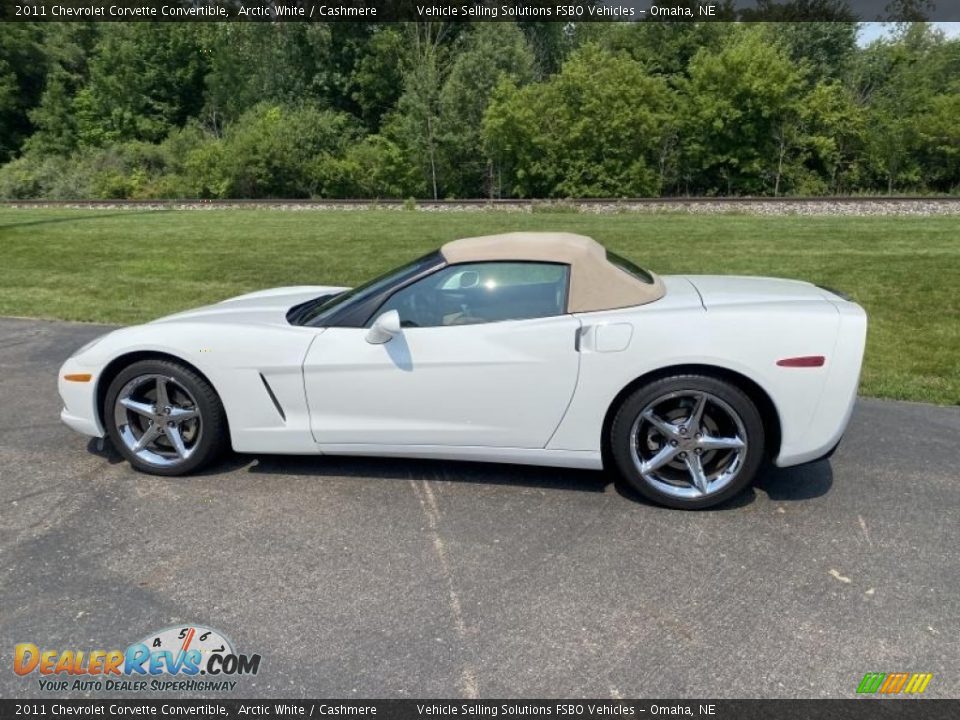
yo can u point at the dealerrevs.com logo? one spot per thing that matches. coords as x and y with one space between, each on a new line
188 659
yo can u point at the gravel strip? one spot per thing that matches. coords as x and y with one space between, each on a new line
857 207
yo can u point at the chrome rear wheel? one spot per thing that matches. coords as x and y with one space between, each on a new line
688 444
688 441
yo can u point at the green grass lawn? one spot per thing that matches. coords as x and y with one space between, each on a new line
126 266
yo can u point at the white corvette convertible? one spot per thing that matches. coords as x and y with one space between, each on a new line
535 348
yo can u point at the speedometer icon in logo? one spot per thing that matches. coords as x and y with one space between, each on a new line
183 639
188 650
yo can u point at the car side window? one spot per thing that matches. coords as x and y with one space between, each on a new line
474 293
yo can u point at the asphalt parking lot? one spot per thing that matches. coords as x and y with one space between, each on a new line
383 578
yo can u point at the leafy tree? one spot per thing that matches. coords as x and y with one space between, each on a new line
663 47
145 79
898 80
836 134
21 83
827 49
272 150
551 43
592 130
251 63
490 52
66 48
743 128
471 109
8 107
376 81
375 167
940 139
199 165
416 123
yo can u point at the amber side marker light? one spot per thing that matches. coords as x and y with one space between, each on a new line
78 377
804 361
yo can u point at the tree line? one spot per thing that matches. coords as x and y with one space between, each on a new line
451 110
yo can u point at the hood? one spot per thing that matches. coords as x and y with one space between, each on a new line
726 290
263 306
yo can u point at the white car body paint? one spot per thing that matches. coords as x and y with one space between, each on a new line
524 391
501 384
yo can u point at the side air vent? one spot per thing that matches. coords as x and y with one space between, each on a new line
276 403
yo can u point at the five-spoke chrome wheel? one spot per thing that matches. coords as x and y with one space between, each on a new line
688 441
688 444
158 420
165 417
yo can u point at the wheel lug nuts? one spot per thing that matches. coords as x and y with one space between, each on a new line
699 451
683 456
674 443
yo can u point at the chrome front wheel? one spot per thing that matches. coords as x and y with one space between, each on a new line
158 420
164 417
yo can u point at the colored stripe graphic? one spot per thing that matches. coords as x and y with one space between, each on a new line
891 678
894 683
871 682
918 682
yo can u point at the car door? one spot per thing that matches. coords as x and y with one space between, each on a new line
485 356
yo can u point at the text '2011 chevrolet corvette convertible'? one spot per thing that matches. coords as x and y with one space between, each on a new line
535 348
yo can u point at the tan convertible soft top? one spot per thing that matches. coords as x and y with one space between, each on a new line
595 282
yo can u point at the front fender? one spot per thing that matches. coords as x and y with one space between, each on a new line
236 360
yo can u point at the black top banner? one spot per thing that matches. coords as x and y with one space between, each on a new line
479 10
574 709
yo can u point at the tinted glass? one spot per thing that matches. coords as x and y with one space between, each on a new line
481 293
630 267
317 315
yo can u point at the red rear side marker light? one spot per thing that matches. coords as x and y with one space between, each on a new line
803 361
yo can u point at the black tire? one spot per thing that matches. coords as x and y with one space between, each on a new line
724 398
211 442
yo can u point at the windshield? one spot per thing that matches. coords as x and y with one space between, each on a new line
325 307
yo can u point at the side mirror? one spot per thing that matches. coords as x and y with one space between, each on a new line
384 328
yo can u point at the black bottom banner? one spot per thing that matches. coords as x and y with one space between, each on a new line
854 709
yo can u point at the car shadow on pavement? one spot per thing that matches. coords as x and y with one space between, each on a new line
321 466
103 449
439 470
230 462
803 482
778 484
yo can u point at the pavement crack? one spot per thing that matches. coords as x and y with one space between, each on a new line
431 511
866 533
